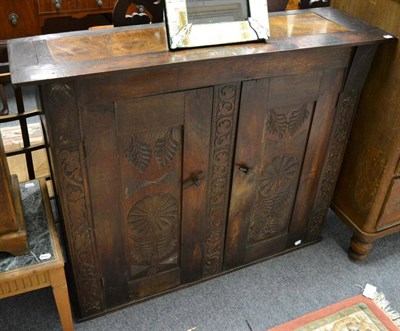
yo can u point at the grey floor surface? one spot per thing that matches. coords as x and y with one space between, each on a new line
254 298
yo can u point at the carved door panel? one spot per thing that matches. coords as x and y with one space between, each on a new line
155 180
278 147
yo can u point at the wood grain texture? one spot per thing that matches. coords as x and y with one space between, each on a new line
359 33
366 189
198 114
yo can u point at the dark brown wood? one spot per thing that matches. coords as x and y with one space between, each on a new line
13 237
175 166
270 202
367 193
198 109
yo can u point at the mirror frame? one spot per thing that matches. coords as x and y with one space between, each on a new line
182 35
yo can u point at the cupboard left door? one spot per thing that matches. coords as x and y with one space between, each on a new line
132 177
19 18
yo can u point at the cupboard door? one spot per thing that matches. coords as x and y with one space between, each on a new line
275 173
159 188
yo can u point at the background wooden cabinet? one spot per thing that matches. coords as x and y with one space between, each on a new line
173 167
367 195
19 18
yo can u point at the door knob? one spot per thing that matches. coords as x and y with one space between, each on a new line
57 3
194 180
13 18
244 169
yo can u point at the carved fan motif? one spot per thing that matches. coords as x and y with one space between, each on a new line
276 182
139 154
276 124
153 229
281 124
166 148
297 119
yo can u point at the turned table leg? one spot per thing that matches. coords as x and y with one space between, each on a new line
60 291
359 248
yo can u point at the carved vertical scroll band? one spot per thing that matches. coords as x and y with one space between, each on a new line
332 166
67 148
222 143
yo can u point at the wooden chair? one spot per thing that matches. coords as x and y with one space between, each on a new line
135 12
43 266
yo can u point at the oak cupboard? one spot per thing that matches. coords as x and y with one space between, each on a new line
173 167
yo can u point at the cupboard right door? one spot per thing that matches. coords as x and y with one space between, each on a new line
284 128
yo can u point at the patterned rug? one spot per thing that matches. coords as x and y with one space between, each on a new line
355 314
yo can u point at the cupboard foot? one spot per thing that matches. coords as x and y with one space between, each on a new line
359 249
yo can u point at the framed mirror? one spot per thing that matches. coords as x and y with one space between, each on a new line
198 23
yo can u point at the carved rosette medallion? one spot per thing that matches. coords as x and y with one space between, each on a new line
275 185
153 230
332 167
64 120
223 135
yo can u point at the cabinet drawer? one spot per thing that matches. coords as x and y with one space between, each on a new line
96 4
18 19
48 6
391 211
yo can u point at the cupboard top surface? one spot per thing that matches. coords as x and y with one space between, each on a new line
65 55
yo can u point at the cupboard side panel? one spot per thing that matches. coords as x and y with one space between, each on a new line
70 173
345 110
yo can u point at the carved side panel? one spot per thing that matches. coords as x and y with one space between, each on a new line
221 153
331 169
67 149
